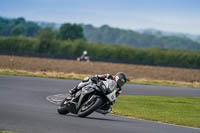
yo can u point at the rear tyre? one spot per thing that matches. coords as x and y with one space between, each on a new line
62 109
89 106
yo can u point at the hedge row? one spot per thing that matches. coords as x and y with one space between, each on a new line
124 54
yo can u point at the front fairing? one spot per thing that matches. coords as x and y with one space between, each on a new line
111 89
110 85
87 89
112 96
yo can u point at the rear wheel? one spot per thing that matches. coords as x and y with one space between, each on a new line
89 106
62 109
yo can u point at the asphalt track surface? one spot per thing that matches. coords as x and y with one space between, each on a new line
24 109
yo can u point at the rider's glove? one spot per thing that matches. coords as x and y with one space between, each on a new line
109 76
95 79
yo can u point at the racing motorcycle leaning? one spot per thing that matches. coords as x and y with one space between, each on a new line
93 97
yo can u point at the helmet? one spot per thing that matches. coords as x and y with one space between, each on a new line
120 78
85 52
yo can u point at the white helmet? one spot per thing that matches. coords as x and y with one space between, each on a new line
85 52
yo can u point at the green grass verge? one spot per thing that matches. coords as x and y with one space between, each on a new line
166 83
176 110
58 75
75 76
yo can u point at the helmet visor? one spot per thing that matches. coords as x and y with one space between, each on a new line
120 82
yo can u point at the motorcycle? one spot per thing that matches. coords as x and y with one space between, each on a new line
83 58
93 97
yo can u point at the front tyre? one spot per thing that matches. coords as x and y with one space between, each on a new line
62 109
89 106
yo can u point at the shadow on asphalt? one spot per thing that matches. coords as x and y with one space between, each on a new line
99 119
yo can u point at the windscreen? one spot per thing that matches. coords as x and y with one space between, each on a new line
111 84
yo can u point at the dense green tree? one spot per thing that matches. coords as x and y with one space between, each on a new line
5 27
20 20
17 27
32 29
17 30
71 32
46 36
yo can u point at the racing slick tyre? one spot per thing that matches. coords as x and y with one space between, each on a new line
90 106
62 109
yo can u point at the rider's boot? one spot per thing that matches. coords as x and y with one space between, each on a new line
104 110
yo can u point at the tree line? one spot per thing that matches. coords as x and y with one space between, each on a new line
21 36
98 51
104 34
21 27
109 35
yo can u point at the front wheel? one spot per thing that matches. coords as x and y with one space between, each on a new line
89 106
62 109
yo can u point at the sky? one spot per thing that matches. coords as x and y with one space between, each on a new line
168 15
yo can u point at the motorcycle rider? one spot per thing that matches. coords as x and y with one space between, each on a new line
84 56
119 79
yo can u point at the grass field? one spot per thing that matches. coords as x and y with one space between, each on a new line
62 75
175 110
59 68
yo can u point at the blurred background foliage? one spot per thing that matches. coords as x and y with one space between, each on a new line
104 43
